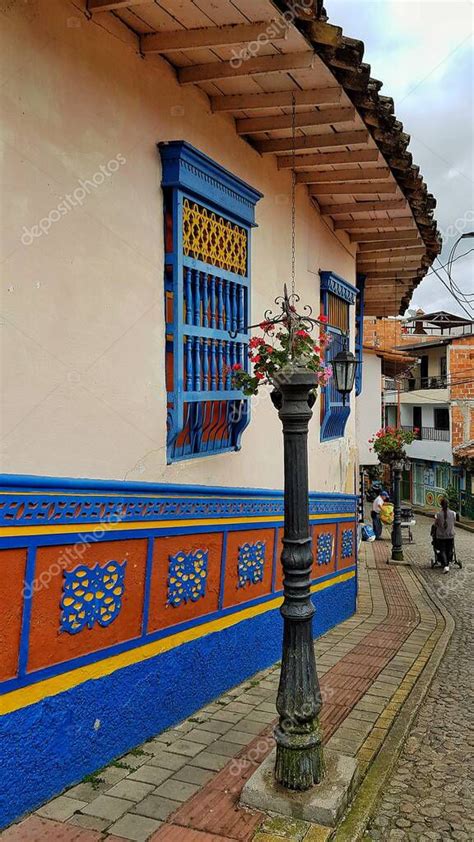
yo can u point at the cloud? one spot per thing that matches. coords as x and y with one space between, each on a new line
422 51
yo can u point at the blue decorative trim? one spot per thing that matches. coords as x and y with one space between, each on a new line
359 339
26 618
347 543
187 169
187 577
330 282
92 595
37 501
335 417
250 563
324 550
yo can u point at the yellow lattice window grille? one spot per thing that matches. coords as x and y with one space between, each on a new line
213 239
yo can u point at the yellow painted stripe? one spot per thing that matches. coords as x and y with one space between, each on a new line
66 529
17 699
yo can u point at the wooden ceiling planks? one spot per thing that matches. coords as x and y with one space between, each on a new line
313 56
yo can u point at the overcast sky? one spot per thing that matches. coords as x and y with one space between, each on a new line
422 50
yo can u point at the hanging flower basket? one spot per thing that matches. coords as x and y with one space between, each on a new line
284 342
389 444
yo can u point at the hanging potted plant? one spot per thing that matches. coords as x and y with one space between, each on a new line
285 342
389 444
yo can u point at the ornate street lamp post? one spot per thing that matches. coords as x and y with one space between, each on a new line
397 549
299 756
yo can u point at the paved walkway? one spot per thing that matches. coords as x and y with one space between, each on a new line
185 783
430 796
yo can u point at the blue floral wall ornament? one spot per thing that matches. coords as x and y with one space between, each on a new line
187 577
347 543
250 563
324 554
92 595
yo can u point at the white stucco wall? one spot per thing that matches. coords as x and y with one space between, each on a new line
83 326
369 407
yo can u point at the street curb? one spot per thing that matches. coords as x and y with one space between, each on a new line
354 824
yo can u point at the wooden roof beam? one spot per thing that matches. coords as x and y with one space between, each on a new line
327 117
353 188
383 274
399 223
405 246
364 207
394 268
404 256
318 159
314 141
331 176
277 99
113 5
278 63
212 36
405 237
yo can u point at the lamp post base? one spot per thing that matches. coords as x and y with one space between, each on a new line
324 804
397 555
299 764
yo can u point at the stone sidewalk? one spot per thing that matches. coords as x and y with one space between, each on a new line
186 782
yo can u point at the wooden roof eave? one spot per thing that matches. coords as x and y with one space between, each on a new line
350 123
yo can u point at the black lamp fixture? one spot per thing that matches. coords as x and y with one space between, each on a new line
344 367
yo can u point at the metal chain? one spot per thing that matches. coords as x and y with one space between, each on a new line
293 193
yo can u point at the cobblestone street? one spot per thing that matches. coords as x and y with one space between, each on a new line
430 795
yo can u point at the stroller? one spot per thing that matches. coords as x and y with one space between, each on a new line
437 560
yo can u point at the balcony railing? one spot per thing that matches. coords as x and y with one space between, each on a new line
429 434
414 383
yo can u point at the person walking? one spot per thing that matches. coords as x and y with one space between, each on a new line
375 514
445 521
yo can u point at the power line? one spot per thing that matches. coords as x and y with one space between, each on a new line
453 294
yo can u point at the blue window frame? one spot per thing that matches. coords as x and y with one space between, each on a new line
359 338
209 214
337 296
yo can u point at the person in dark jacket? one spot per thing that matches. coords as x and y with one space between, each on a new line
445 521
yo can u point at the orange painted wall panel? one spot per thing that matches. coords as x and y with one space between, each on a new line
11 609
50 645
233 594
162 614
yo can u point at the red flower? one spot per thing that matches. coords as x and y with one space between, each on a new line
324 319
303 334
256 358
316 349
269 349
267 326
256 341
259 375
236 367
